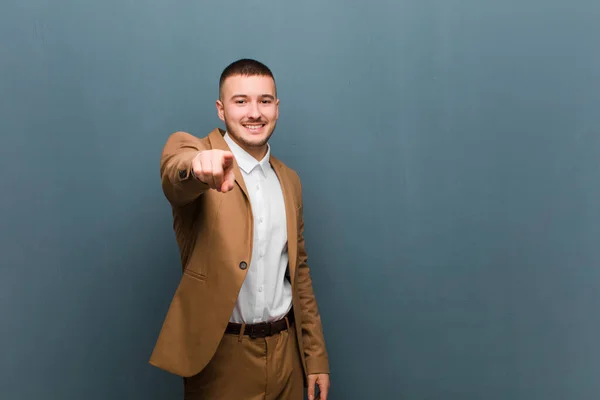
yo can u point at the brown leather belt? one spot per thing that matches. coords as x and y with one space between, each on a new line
262 329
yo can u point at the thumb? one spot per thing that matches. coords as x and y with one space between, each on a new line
311 387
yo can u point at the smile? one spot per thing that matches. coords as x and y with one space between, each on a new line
254 127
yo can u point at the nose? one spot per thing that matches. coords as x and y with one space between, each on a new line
253 111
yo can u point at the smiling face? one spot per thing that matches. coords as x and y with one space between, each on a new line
249 107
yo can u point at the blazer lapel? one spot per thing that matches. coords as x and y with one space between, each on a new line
290 216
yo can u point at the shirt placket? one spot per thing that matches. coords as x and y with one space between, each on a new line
261 202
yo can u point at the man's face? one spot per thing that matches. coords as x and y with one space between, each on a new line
250 108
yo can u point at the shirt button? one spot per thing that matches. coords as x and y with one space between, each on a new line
260 289
260 220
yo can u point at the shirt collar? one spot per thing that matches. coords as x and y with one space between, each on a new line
246 162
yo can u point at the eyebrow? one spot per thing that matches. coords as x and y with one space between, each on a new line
268 96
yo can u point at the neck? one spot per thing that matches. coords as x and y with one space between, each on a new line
257 152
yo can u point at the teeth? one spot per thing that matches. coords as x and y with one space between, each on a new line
253 126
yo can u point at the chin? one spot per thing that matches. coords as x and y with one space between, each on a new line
256 140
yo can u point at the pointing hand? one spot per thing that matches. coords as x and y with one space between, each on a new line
215 168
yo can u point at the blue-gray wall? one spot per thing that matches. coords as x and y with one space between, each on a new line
450 154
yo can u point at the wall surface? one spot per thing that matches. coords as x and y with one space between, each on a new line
449 151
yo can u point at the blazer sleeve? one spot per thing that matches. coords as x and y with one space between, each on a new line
179 184
313 340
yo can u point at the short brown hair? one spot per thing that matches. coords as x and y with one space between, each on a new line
244 67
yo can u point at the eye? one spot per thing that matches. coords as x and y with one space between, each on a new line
266 101
240 101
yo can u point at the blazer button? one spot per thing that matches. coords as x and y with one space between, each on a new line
243 265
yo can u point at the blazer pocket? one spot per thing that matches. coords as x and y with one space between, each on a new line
195 275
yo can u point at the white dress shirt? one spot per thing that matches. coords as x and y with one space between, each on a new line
266 294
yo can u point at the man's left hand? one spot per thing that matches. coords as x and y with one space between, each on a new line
318 379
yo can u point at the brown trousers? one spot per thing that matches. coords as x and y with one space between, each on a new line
251 369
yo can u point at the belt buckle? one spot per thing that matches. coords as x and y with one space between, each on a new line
262 329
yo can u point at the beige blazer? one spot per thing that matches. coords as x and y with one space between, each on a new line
214 234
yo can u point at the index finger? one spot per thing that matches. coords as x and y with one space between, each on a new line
323 392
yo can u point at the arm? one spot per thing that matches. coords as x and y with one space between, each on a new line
317 361
178 181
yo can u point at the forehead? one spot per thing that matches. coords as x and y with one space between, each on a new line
256 85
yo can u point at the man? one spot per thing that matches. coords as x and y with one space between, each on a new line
244 322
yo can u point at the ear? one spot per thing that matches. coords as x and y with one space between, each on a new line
220 110
277 108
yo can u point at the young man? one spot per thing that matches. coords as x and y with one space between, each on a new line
244 322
